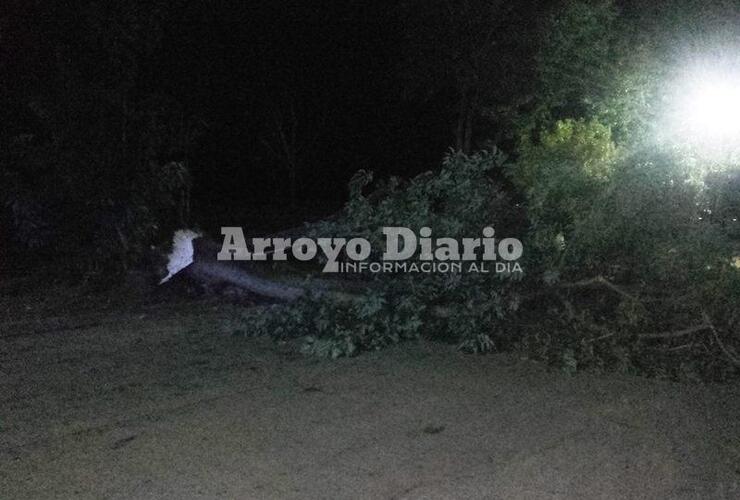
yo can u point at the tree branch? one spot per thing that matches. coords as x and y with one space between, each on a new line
674 334
731 357
600 281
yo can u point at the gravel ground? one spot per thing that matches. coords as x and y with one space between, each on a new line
103 396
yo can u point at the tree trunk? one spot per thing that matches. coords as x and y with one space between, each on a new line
461 122
465 117
468 139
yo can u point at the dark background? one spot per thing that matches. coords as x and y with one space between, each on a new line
353 74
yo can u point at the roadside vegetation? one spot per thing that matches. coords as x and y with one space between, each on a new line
631 233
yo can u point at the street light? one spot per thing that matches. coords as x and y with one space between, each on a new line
712 110
705 112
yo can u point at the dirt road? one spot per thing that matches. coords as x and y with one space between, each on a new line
160 401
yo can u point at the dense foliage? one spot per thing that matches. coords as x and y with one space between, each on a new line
469 308
630 278
631 245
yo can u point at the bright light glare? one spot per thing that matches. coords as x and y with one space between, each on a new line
711 112
705 110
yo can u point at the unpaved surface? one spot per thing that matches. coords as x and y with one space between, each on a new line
159 400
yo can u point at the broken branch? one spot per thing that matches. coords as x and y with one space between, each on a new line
731 357
600 281
673 334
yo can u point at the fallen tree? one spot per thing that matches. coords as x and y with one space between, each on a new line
617 312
